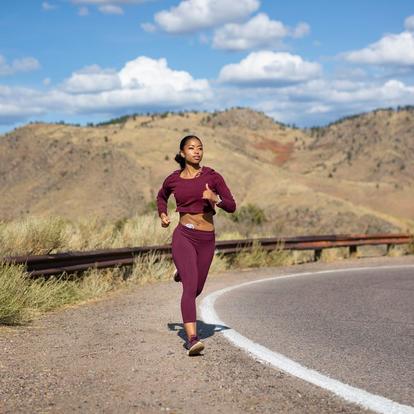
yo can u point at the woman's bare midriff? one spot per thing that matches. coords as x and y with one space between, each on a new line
201 221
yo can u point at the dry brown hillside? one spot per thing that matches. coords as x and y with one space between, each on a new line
352 176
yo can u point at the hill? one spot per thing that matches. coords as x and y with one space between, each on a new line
354 175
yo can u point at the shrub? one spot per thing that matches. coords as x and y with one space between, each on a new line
33 235
22 298
249 214
257 256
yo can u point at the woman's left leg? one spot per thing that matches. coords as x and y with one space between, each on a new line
205 254
203 244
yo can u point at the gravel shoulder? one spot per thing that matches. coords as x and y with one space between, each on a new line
124 354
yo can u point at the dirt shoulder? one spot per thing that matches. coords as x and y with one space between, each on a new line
125 354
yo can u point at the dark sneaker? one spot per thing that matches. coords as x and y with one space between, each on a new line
176 276
194 345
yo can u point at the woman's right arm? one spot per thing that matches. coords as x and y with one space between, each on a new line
162 197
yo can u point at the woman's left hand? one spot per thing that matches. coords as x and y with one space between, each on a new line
209 194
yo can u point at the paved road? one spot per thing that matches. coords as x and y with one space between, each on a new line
356 327
124 354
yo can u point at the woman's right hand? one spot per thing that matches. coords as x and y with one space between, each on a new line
165 220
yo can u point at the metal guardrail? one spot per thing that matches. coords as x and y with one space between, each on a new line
73 261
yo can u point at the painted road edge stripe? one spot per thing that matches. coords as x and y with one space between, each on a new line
264 355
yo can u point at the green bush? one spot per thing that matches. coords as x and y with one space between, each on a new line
249 214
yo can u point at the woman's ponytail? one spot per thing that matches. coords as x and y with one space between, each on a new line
180 160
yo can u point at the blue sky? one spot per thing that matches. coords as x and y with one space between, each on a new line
302 62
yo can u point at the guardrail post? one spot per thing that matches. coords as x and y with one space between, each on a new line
353 251
317 254
389 247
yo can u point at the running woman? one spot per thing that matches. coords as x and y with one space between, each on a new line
197 190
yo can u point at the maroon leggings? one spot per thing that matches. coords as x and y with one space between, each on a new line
192 253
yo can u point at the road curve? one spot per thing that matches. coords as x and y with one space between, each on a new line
124 354
353 325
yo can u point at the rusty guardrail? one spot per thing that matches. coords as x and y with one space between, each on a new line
73 261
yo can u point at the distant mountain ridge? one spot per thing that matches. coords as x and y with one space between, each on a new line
380 144
352 175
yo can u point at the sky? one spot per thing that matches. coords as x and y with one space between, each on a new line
302 62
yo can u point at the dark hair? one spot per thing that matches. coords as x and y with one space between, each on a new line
178 157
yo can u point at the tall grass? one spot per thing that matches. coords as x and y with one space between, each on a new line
257 256
23 298
33 235
410 248
38 235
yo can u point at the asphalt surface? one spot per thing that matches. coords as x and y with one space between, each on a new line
124 354
356 327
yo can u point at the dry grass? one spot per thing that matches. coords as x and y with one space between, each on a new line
410 246
37 235
33 235
23 298
257 256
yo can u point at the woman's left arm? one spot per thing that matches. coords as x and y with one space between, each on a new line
227 202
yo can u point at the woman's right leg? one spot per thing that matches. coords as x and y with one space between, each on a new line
185 259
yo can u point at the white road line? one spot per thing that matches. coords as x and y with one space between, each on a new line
264 355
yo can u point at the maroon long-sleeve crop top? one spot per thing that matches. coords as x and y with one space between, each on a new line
188 192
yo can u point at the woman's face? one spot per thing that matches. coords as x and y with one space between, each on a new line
193 151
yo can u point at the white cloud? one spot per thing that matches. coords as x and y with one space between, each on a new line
149 84
392 49
18 104
340 92
103 2
282 84
391 92
395 89
270 68
143 77
301 30
143 83
92 79
192 15
110 9
409 23
259 31
105 6
152 75
26 64
48 6
10 113
322 100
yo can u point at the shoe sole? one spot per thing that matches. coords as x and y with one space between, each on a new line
196 349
